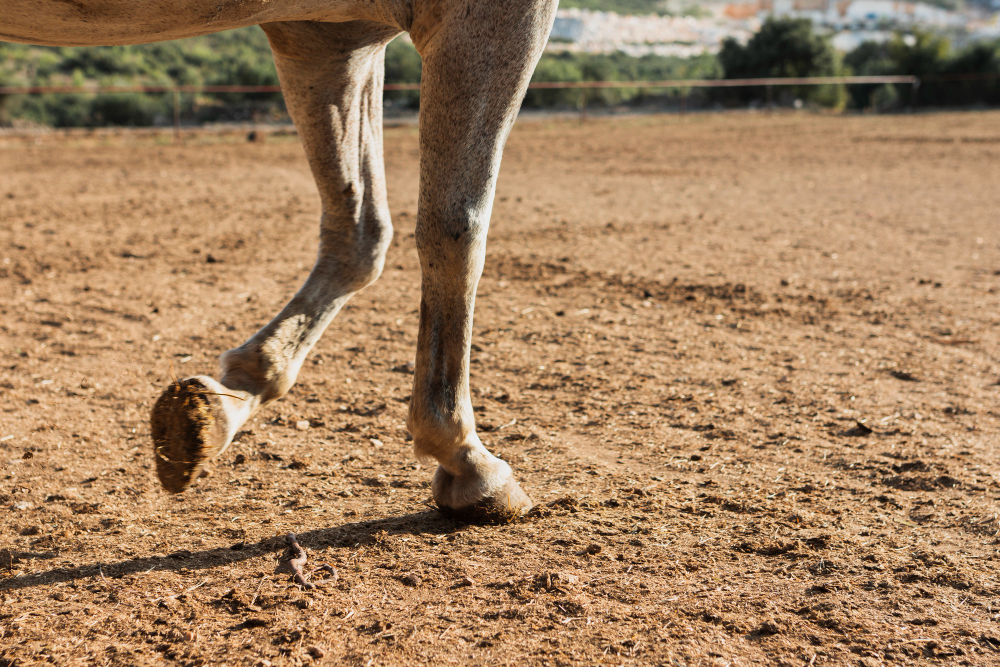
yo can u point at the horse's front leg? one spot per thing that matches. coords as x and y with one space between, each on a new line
332 79
476 68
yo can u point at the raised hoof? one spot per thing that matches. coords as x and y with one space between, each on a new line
186 432
508 505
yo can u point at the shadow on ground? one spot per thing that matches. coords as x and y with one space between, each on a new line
347 535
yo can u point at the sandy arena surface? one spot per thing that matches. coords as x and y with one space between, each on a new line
746 366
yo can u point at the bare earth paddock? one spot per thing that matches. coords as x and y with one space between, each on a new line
746 365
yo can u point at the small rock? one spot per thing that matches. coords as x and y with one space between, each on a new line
467 581
410 580
768 628
554 580
302 425
859 430
239 460
904 376
23 505
315 652
376 443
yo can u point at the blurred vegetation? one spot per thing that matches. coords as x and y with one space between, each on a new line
238 57
402 65
789 47
615 67
637 7
783 47
640 7
964 78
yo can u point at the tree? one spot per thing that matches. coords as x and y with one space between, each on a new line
871 59
784 47
920 53
972 77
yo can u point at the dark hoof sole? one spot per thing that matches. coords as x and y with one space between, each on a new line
185 432
508 505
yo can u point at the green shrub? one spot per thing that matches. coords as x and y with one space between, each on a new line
966 78
783 47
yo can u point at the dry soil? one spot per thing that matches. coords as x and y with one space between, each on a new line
746 365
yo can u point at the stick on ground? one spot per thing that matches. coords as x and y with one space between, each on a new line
298 562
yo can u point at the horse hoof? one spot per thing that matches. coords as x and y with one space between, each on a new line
507 505
187 432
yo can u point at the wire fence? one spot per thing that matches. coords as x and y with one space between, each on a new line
669 83
769 83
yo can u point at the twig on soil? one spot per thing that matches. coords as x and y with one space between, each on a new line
257 592
507 425
297 565
107 584
331 570
175 595
297 562
954 341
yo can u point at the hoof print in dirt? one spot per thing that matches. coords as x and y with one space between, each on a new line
185 432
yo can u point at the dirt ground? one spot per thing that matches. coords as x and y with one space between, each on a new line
745 364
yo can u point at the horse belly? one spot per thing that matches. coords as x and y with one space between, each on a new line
108 22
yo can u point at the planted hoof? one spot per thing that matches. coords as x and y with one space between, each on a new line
187 432
504 506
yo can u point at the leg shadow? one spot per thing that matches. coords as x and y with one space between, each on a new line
348 535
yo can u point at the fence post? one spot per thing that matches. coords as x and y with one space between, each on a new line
913 92
583 104
177 114
770 97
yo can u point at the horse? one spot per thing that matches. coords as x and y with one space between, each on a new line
478 57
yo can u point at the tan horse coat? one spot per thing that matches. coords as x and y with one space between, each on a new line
478 56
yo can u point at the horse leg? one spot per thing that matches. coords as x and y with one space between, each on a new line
332 76
477 60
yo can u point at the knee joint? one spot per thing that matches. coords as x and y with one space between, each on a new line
356 252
